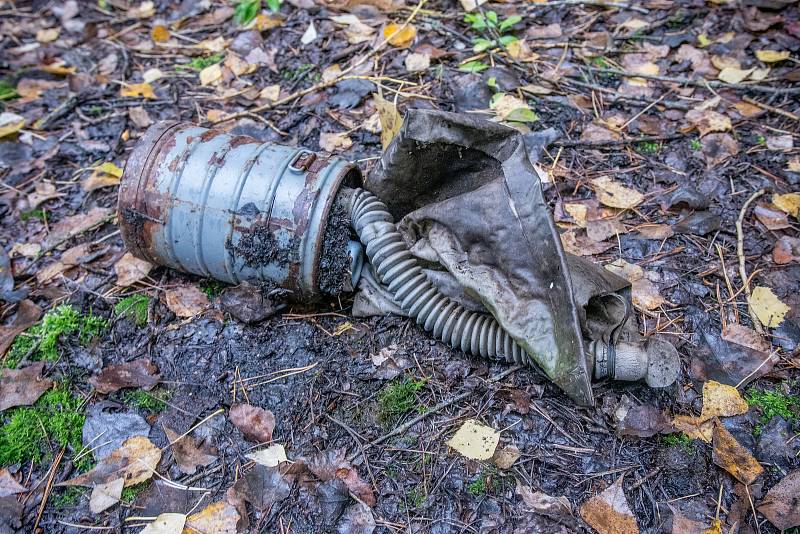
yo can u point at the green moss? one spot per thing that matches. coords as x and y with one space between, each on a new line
152 401
7 91
60 321
415 497
27 431
66 497
681 440
649 147
37 213
397 399
695 144
199 63
478 487
134 307
212 288
130 493
773 403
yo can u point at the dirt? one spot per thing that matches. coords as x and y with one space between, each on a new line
257 245
334 264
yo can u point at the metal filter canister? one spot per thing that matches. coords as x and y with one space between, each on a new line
229 206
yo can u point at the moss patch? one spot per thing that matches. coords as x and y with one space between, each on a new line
152 401
397 399
772 403
133 307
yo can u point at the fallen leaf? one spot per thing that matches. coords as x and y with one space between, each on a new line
105 429
609 512
140 117
557 508
134 462
357 519
793 165
130 269
145 10
144 90
416 62
469 5
582 245
508 107
603 229
734 75
721 400
642 421
263 486
151 75
139 373
159 34
355 30
254 422
216 518
10 123
772 56
615 195
310 34
644 292
707 121
767 307
169 523
22 387
787 250
266 22
270 92
188 456
780 142
47 35
28 314
103 175
391 120
9 485
334 142
211 74
732 457
781 505
506 457
788 203
104 496
186 301
400 35
331 465
270 457
594 133
744 336
694 427
718 147
655 231
772 219
474 440
74 225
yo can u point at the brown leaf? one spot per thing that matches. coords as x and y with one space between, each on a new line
22 387
104 496
186 301
643 421
782 503
130 269
601 230
504 458
594 133
140 118
254 422
609 512
237 501
718 147
331 464
615 195
708 120
263 486
75 225
28 314
140 373
217 518
732 457
694 427
557 508
772 219
744 336
787 250
9 485
187 454
580 245
655 231
134 462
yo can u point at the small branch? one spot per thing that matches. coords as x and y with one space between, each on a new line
740 252
621 142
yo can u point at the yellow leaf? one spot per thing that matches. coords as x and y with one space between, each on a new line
391 120
694 427
135 461
267 22
721 400
10 123
109 168
144 90
166 523
615 195
270 92
211 74
159 34
767 307
475 441
47 35
334 142
772 56
732 457
788 203
398 35
609 511
58 68
734 75
219 517
102 176
793 165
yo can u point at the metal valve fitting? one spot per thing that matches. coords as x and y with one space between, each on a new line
654 360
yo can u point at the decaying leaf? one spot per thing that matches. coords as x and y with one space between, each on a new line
506 457
27 315
718 148
211 74
615 195
694 427
789 203
10 123
263 486
139 373
186 301
767 306
42 192
104 496
76 224
102 176
217 518
655 231
416 62
707 121
744 336
270 457
134 462
772 56
187 454
609 512
168 523
732 457
557 508
781 506
771 218
645 294
721 400
130 269
22 387
355 30
474 440
9 485
334 141
787 250
331 465
391 120
254 422
399 35
143 90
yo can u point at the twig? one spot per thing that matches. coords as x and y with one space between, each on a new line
773 109
48 488
441 406
740 252
620 142
596 3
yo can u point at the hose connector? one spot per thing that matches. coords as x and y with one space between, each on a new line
654 360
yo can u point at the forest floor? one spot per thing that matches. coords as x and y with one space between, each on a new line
675 165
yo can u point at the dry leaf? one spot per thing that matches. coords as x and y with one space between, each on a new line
145 10
169 523
780 142
135 462
694 427
144 90
355 30
734 75
186 301
22 387
391 120
655 231
788 203
270 457
506 457
211 74
718 147
645 294
721 400
787 250
732 457
707 121
593 133
139 373
151 75
130 269
557 508
103 175
43 192
159 34
400 35
578 212
216 518
270 92
9 485
613 194
188 456
582 245
28 314
744 336
104 496
767 307
609 512
469 5
416 62
310 34
47 35
781 506
266 22
139 117
334 142
475 441
10 123
772 219
772 56
254 422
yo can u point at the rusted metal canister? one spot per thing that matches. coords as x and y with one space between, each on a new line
229 206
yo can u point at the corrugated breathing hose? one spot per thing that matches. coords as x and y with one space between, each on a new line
476 333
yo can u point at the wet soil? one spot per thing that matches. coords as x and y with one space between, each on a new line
334 264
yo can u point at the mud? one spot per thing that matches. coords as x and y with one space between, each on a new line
257 245
334 265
